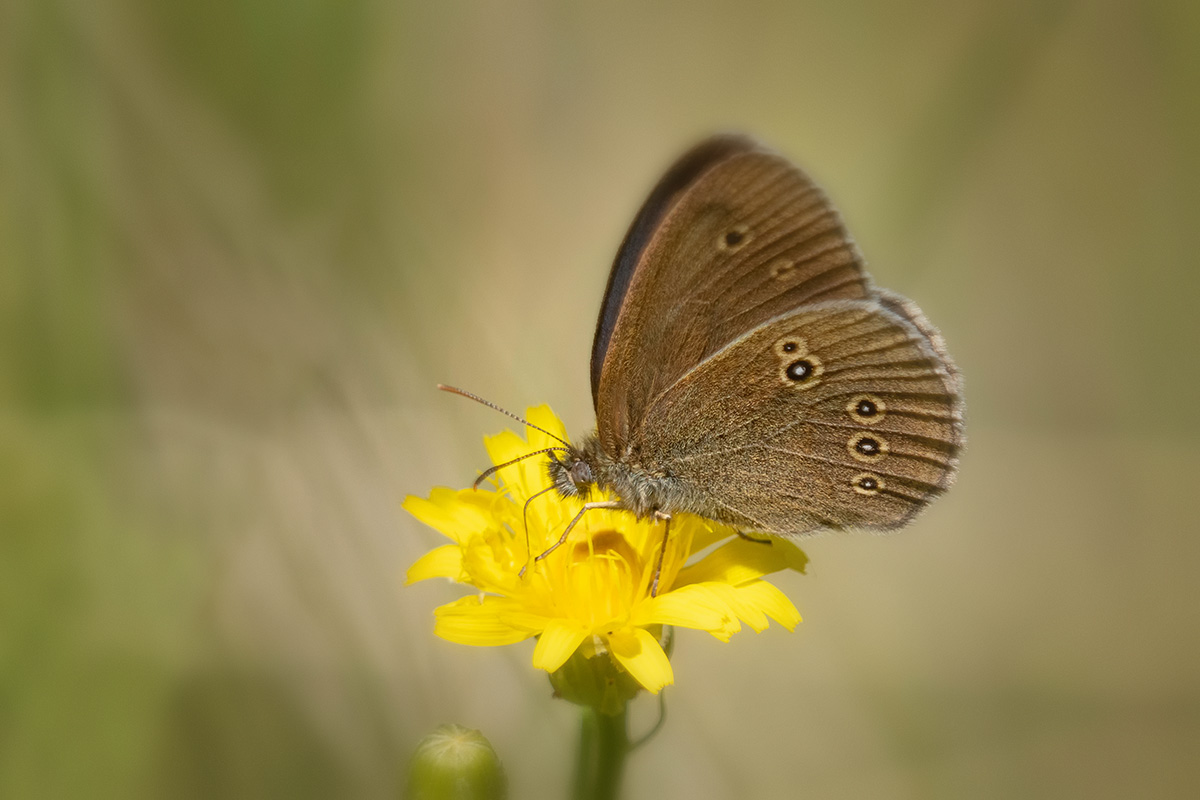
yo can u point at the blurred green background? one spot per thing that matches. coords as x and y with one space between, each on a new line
240 241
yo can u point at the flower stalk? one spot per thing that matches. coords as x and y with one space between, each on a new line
603 746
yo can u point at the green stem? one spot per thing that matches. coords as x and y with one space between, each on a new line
603 745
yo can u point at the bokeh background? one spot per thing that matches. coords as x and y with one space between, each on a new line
241 240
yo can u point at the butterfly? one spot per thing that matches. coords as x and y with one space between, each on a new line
745 368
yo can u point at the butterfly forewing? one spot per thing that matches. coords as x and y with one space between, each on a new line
677 180
748 238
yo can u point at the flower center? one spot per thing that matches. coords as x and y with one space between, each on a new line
598 579
607 544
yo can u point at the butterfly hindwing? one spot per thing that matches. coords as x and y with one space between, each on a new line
835 415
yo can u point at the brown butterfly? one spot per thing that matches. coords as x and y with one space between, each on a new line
745 369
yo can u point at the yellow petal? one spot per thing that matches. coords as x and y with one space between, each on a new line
556 644
502 448
707 533
441 562
550 512
766 598
742 561
753 603
447 514
741 607
524 477
533 471
796 558
505 446
518 617
545 419
470 620
695 606
642 657
483 502
489 564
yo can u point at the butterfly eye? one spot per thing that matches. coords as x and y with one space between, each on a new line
866 483
581 472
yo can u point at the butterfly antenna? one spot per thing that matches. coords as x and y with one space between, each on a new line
489 404
491 470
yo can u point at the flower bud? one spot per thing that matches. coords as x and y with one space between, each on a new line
455 763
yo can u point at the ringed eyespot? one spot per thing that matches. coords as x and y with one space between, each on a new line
866 408
867 448
792 347
799 370
802 372
867 483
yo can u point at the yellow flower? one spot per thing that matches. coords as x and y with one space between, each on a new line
593 591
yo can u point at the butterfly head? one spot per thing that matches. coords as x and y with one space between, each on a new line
572 473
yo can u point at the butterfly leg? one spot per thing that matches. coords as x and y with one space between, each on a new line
662 551
750 538
525 522
570 526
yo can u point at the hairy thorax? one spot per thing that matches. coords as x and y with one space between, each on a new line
643 489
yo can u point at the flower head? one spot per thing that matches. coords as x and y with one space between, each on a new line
594 591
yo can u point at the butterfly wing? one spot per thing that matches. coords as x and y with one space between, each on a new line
732 236
834 415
